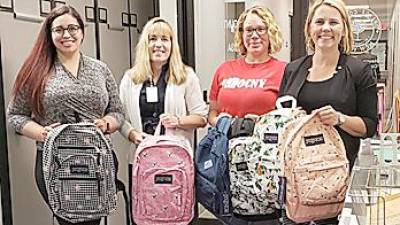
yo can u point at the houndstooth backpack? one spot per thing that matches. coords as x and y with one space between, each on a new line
79 172
255 165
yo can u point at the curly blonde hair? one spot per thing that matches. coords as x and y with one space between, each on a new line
142 69
274 33
346 44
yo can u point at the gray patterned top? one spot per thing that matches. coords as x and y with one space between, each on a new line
92 95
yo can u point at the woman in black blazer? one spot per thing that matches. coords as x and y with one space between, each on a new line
340 86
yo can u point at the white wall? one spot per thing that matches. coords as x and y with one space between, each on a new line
209 34
209 38
168 11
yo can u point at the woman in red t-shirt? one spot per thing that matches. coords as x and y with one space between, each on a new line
250 84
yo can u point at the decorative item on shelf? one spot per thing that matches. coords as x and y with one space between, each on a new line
47 5
130 20
103 15
366 29
89 14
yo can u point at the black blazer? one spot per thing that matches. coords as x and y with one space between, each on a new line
356 93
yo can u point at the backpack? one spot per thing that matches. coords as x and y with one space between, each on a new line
163 181
316 169
212 173
79 172
254 163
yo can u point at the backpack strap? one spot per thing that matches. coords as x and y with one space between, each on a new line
223 125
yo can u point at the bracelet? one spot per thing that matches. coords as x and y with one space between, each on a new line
341 119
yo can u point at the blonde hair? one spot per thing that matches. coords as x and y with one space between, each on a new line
274 33
142 68
346 44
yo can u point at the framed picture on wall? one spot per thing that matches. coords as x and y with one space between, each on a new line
233 9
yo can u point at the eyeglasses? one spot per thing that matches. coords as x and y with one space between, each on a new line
72 30
248 31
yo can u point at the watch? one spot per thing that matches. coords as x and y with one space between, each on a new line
341 119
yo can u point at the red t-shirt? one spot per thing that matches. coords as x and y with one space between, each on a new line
240 88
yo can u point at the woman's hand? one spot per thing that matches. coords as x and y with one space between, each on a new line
107 124
136 137
328 115
102 125
42 134
169 121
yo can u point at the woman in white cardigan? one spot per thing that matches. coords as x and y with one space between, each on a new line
160 88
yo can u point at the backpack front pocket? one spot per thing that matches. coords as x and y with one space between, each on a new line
162 194
80 182
321 183
80 195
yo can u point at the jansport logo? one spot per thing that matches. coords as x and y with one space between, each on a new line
270 138
163 179
79 169
241 166
314 140
236 82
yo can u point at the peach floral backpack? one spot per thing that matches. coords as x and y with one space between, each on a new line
316 169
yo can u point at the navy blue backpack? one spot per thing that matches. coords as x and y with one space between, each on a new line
212 170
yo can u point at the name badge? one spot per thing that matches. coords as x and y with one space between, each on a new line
152 94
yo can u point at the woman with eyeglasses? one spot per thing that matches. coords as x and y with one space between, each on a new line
249 84
57 82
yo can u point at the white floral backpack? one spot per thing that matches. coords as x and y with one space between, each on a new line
255 165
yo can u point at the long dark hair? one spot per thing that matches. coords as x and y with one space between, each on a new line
36 69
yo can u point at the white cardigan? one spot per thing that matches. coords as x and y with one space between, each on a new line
180 100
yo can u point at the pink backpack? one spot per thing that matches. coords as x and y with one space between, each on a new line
316 170
163 182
